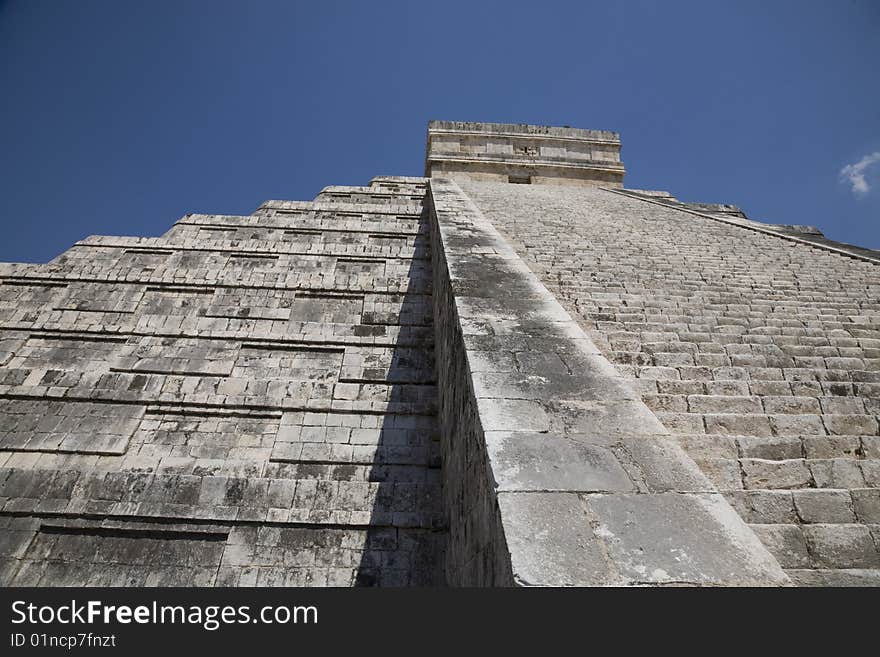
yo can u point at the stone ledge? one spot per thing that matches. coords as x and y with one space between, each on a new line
521 129
555 474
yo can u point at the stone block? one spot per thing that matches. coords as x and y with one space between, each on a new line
761 473
824 506
786 543
866 502
841 546
543 461
684 539
550 541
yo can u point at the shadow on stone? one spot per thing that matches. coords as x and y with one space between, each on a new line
404 543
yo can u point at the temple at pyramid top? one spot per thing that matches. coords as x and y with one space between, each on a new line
521 153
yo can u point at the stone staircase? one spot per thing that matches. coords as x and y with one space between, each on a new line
761 355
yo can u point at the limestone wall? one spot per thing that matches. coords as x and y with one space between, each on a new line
476 551
242 401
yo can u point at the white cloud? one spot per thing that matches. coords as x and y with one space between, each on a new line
854 174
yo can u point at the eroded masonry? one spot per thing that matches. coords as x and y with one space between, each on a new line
510 371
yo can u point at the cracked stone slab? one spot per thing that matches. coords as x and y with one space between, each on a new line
662 465
550 542
512 414
524 461
674 538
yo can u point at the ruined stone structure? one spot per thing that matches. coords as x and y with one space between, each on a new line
510 371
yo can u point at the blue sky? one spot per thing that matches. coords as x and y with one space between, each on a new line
119 117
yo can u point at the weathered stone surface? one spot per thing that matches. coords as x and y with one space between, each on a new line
680 538
764 506
243 401
836 577
786 543
523 461
511 443
841 546
753 344
521 153
551 543
824 506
